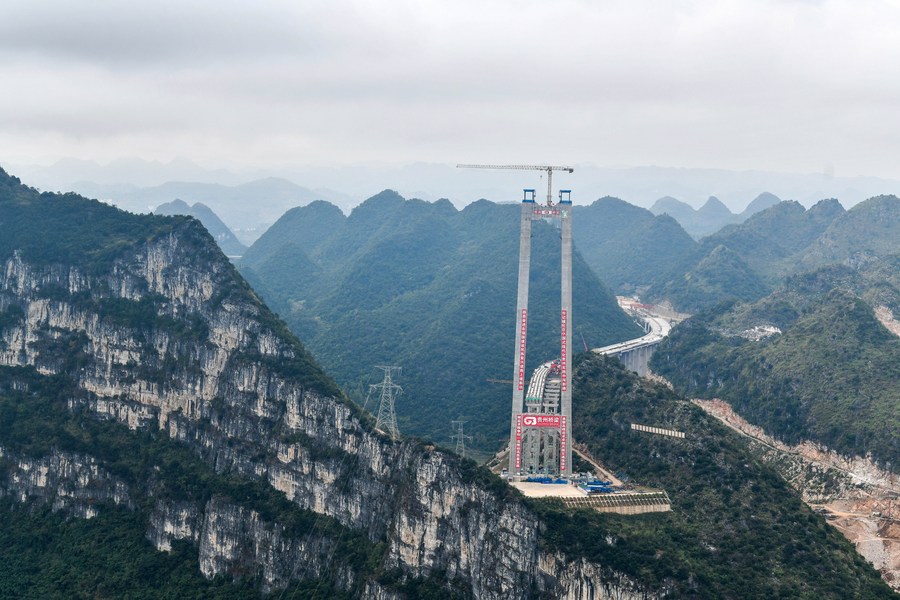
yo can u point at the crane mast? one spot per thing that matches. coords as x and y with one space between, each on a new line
548 168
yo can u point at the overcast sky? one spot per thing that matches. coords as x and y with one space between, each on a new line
794 86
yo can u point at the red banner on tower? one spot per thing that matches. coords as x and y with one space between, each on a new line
518 448
563 363
563 443
523 331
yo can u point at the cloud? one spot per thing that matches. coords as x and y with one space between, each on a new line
783 85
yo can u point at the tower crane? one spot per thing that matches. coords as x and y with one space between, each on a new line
548 168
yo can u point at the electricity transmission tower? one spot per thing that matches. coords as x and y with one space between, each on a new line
460 438
390 391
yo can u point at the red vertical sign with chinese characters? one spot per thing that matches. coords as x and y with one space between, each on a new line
563 442
518 448
523 331
562 363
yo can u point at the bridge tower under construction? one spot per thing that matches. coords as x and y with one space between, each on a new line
541 425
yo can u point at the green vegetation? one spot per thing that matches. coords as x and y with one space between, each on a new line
45 555
430 288
832 376
736 529
628 247
12 315
720 275
109 555
85 232
53 230
770 240
745 261
869 229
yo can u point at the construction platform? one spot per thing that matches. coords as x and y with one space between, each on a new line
628 502
623 503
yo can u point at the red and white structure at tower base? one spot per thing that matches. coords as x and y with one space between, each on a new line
540 430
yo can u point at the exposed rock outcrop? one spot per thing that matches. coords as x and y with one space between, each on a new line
71 483
861 500
171 338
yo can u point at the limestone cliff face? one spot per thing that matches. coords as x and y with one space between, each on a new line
72 483
171 338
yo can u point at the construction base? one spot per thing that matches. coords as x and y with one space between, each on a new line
624 503
621 502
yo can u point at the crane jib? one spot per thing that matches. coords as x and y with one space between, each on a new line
548 168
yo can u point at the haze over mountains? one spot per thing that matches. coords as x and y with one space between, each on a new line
712 216
349 185
247 208
226 239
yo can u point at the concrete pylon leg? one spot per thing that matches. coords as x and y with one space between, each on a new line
519 382
565 458
530 446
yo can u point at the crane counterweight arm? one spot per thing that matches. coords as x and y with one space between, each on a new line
519 167
548 168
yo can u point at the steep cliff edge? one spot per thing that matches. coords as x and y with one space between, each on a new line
155 330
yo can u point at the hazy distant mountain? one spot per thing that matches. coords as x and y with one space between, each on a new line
168 437
66 174
710 217
248 209
348 185
627 246
780 241
760 203
214 225
673 207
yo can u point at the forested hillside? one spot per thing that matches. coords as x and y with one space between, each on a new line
430 288
773 244
720 274
831 375
727 509
627 246
144 386
48 552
